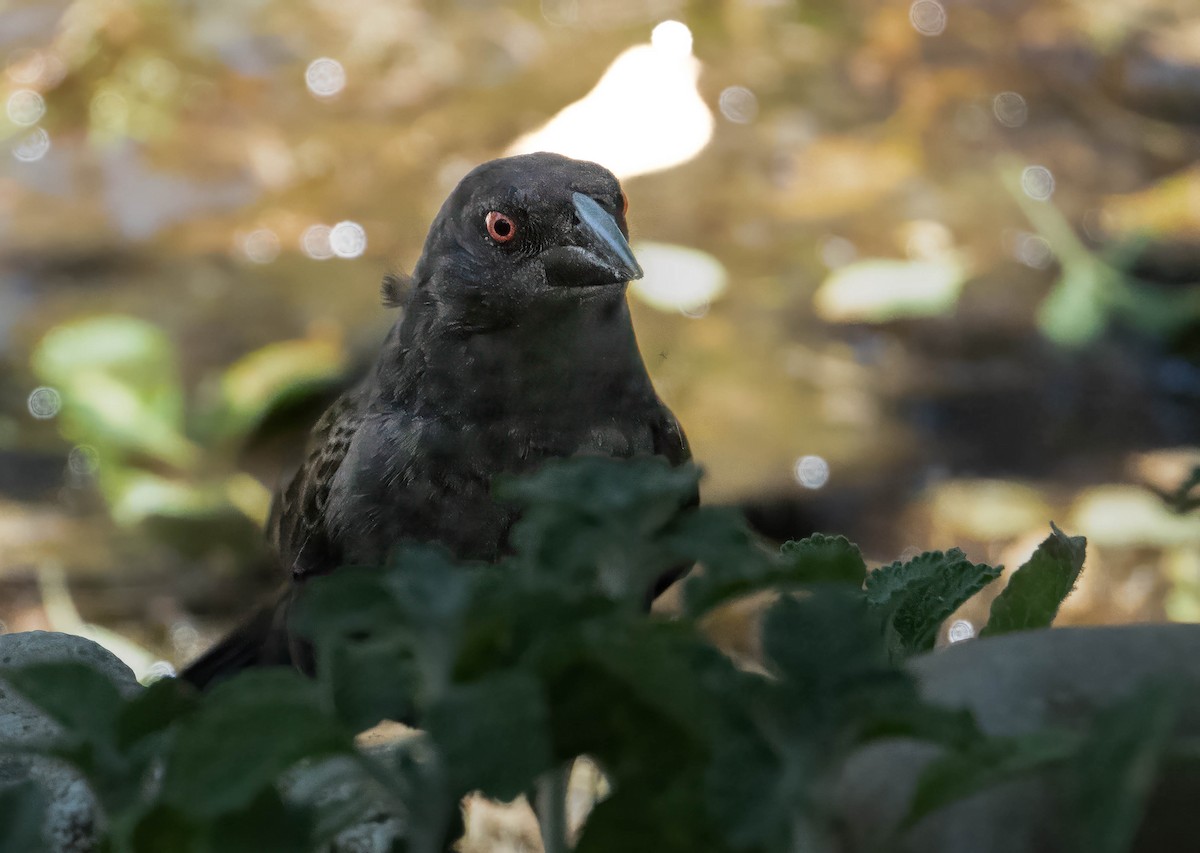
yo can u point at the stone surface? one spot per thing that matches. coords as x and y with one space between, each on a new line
1014 684
71 809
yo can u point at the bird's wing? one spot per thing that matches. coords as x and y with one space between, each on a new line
297 526
669 440
671 443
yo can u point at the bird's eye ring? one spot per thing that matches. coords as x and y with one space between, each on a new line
500 228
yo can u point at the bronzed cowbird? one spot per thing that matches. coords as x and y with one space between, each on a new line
514 346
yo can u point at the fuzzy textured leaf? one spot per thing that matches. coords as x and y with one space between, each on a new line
825 559
736 564
916 597
476 727
1037 589
250 729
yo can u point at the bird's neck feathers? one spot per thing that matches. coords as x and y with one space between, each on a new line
573 354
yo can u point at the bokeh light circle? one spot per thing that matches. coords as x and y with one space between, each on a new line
928 17
325 77
811 471
44 402
1037 182
348 239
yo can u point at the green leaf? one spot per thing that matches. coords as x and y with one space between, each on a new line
664 668
136 350
1034 592
272 376
82 699
825 559
1181 500
135 495
387 640
22 814
837 679
735 563
958 774
1118 765
364 651
756 791
433 594
164 828
371 680
602 487
492 734
822 643
267 823
101 409
592 525
657 681
348 603
135 353
120 386
639 695
834 687
248 731
141 734
153 710
1076 311
914 598
666 815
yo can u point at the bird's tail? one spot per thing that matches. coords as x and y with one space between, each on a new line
262 640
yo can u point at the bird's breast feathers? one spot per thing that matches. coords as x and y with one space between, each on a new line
431 479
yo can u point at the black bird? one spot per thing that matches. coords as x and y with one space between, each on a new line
515 346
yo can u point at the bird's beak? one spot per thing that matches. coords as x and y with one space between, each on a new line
602 255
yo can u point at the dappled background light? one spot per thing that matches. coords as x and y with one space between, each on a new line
645 114
924 273
677 278
812 472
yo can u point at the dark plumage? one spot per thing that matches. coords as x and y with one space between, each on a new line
515 346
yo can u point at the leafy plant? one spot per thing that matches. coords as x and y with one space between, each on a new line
1186 496
155 452
1094 289
512 671
1035 590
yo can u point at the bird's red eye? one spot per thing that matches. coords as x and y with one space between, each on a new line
500 228
624 204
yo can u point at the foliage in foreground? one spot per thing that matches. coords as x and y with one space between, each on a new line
514 670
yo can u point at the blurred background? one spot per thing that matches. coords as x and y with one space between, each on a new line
923 273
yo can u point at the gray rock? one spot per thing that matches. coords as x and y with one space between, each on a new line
1015 684
71 817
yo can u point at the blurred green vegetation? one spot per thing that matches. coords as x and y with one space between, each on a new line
697 754
874 276
124 405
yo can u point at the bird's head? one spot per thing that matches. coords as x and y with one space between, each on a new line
519 232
